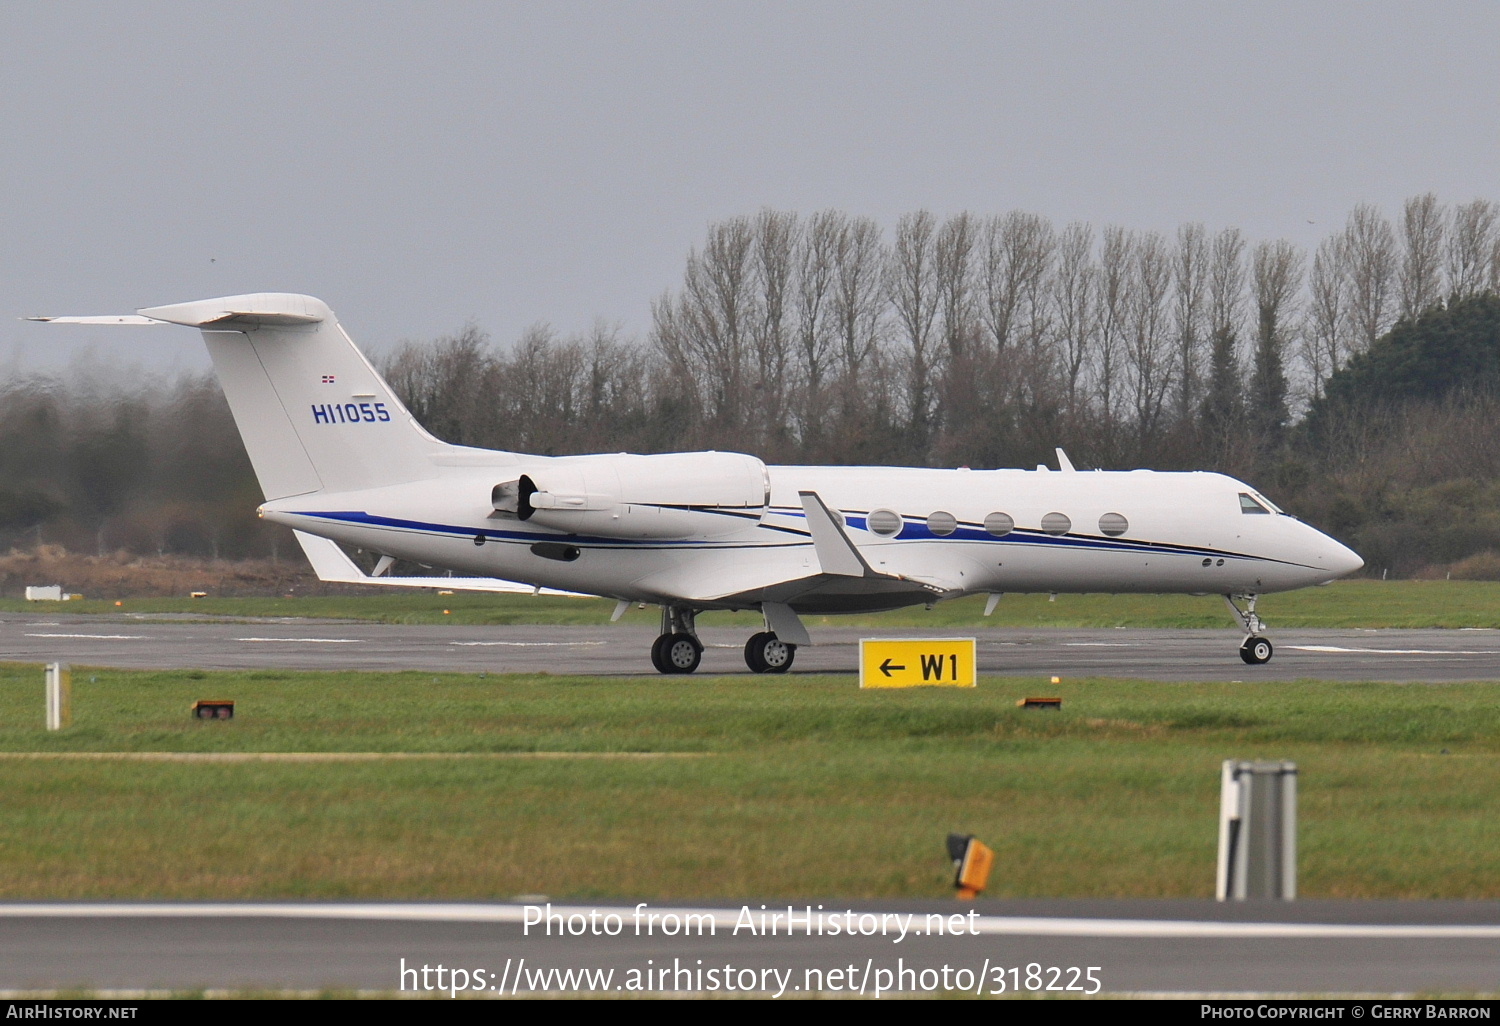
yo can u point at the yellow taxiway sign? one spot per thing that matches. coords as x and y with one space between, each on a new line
913 662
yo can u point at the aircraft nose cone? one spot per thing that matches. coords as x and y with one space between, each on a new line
1341 560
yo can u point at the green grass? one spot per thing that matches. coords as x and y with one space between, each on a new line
810 788
1361 603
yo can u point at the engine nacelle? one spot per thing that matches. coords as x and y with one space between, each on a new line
670 495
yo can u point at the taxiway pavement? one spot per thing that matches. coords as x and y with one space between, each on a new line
1157 947
622 649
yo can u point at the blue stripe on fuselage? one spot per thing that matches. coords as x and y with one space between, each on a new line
912 530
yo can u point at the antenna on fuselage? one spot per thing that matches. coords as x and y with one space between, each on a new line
1063 463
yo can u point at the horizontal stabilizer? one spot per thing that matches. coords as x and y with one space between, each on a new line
332 564
271 308
262 308
107 319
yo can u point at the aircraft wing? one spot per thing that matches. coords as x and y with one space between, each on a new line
333 564
839 568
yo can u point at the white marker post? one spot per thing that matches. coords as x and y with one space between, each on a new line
1257 830
59 696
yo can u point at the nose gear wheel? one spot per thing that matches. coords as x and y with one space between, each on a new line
1256 650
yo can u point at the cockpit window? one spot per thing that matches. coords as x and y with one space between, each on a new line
1249 505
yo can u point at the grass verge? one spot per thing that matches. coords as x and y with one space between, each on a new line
811 788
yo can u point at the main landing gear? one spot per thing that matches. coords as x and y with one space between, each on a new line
1255 649
766 653
678 650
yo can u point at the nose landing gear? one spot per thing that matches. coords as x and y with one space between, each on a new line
1255 649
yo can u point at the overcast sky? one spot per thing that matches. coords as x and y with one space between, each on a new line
418 165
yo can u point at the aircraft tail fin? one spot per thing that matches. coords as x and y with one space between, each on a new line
312 411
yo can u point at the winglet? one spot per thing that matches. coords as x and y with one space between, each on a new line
1063 463
836 553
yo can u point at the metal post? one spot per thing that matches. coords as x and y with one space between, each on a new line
59 696
1257 831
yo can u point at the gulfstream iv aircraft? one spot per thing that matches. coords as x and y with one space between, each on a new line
343 464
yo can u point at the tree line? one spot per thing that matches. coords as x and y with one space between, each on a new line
959 341
987 341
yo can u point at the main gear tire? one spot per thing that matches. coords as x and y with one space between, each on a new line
766 653
680 653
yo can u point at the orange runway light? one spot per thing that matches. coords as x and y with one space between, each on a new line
972 862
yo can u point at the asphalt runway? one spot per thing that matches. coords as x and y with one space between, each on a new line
1140 947
622 649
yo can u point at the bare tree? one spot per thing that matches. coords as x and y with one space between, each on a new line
953 267
864 386
1224 401
704 333
1018 251
1226 283
1190 279
1372 266
1074 284
449 384
776 234
817 262
1116 266
1423 227
858 295
1277 277
1471 248
911 283
1325 340
615 394
1148 349
543 384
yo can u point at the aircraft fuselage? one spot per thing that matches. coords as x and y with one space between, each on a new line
1131 531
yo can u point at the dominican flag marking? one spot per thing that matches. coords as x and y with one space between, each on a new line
327 379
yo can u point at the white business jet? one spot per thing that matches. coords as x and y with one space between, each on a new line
343 463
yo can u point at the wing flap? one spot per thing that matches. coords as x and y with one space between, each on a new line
332 564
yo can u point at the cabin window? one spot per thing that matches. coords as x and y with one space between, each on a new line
1056 523
999 524
942 524
1249 505
1113 524
884 522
